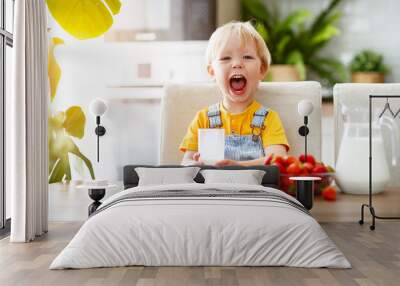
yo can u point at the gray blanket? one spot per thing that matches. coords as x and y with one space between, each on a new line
207 194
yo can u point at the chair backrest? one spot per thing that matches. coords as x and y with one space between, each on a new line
181 102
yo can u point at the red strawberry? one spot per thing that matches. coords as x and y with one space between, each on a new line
294 169
329 193
268 159
291 159
278 159
285 161
304 172
308 166
309 159
284 183
281 167
319 168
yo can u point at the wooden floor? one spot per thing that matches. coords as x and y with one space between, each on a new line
347 208
374 255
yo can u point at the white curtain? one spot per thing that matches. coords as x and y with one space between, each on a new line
28 152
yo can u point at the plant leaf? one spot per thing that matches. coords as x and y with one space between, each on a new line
60 143
62 168
329 69
53 68
330 20
75 121
295 18
52 162
305 40
324 35
56 121
114 5
61 171
67 168
87 162
368 61
280 48
257 10
52 157
323 15
262 31
295 58
83 19
57 173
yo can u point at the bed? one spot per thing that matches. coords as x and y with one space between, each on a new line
201 224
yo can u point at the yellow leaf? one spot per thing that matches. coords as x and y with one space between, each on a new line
53 69
85 160
74 122
57 41
114 5
84 19
61 126
62 144
58 120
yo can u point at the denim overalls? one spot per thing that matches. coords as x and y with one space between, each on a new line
241 147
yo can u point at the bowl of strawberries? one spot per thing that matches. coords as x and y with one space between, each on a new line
292 166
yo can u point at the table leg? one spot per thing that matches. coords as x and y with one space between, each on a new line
305 193
96 195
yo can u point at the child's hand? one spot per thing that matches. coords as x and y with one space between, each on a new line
227 162
196 158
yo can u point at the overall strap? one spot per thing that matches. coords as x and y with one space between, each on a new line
214 116
259 118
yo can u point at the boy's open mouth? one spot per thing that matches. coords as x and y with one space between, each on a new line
238 83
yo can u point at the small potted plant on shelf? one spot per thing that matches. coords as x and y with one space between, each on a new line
294 45
367 67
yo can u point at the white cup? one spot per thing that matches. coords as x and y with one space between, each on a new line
211 145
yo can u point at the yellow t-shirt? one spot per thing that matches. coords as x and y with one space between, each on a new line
239 124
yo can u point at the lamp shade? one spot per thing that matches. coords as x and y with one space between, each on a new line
305 107
98 107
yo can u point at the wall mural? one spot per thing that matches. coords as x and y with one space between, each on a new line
95 18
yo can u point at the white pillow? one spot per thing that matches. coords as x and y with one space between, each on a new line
248 177
166 176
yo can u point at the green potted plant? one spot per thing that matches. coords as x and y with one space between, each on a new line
367 67
95 17
295 46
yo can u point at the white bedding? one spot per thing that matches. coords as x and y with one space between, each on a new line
200 231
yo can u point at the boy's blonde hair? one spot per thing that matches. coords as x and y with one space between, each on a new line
246 32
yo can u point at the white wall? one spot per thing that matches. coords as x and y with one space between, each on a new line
365 24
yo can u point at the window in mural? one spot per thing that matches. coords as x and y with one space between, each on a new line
6 43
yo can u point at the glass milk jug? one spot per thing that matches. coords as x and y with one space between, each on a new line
352 165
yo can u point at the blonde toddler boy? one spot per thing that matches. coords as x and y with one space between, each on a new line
238 59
